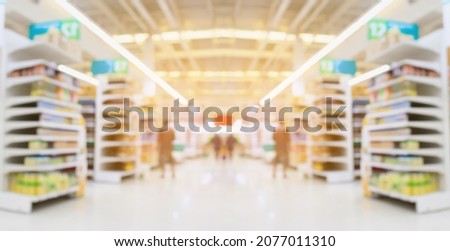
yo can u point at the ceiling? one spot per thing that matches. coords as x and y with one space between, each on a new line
223 51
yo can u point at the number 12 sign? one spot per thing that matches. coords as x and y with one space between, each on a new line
378 28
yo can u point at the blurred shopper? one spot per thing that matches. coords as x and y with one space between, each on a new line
282 144
231 142
165 141
217 145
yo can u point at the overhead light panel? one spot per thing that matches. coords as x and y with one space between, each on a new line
368 75
327 49
120 49
77 74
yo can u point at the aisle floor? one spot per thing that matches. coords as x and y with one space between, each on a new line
240 195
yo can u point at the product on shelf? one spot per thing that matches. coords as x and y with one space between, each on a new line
42 160
412 184
35 184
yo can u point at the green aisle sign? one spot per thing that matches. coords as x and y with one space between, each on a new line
109 66
378 28
69 28
337 66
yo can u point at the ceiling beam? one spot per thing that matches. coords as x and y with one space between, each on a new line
174 23
154 26
106 10
129 10
301 15
273 22
145 15
346 5
311 18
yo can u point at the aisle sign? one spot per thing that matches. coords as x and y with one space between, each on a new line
109 66
70 28
378 28
337 66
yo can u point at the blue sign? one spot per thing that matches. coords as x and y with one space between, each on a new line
338 66
69 28
109 66
378 28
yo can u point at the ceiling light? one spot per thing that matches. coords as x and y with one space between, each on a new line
327 49
79 75
120 49
369 75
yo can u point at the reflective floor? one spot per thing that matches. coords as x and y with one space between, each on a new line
241 195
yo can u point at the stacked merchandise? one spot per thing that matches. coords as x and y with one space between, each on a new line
44 136
360 99
298 154
87 101
149 150
392 38
331 148
403 140
117 147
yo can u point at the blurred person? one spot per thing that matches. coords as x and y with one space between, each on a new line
217 145
165 142
230 143
282 144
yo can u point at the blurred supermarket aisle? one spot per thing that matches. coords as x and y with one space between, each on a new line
240 195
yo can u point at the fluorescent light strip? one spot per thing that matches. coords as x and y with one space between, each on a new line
79 75
120 49
327 49
368 75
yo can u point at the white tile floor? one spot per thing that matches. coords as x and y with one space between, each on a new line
239 196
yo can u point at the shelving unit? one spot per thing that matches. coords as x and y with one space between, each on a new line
405 151
360 97
117 145
148 138
331 149
299 140
87 102
43 152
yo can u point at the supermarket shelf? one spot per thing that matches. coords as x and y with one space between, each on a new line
434 168
341 97
330 159
12 168
107 144
105 159
416 111
399 51
108 97
12 112
433 101
335 87
429 81
420 152
359 111
113 176
420 138
399 196
418 63
112 87
333 132
22 203
23 125
38 49
88 110
26 138
339 144
424 125
17 81
14 101
11 152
